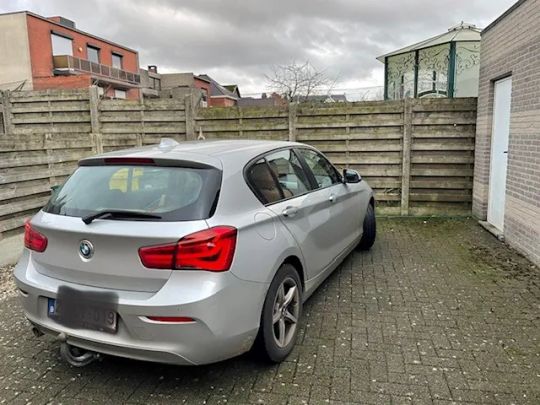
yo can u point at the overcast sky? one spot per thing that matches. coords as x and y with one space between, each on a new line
237 41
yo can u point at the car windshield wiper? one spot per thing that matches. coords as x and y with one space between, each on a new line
118 214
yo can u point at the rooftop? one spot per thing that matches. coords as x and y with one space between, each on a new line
217 90
460 32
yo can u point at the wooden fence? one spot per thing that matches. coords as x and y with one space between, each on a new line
416 154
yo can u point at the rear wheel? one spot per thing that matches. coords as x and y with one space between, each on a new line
369 228
281 313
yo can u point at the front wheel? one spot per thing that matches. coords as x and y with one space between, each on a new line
369 229
281 315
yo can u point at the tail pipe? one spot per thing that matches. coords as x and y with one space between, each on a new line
37 333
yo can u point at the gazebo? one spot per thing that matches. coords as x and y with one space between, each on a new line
443 66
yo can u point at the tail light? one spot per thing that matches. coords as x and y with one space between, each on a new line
34 240
211 249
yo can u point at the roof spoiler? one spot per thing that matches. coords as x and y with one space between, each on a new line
142 161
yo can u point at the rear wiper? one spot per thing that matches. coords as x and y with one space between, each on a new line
118 214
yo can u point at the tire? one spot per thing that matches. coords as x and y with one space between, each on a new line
370 229
280 321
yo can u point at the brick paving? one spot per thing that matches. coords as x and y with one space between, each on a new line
439 312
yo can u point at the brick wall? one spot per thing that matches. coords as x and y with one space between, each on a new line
222 102
63 82
511 46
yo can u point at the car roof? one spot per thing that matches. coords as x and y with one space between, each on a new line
210 152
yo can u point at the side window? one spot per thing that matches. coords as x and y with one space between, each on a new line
325 174
263 183
288 170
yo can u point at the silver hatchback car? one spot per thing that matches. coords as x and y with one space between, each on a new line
189 253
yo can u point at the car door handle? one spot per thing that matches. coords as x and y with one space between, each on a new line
332 198
290 212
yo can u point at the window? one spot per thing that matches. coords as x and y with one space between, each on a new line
325 174
119 93
117 61
204 99
93 54
289 173
278 176
61 45
174 193
155 83
263 182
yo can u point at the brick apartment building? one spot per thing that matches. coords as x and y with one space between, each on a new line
507 159
43 53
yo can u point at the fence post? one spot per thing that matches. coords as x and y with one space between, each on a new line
190 118
240 122
94 118
6 103
347 140
47 138
293 107
139 140
406 155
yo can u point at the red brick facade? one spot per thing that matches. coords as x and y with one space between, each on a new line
222 102
39 35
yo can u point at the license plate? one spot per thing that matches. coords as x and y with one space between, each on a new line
84 316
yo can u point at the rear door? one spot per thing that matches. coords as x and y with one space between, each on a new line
303 210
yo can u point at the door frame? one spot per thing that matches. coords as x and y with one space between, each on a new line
491 215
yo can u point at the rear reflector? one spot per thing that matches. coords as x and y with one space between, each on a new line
34 240
211 250
175 319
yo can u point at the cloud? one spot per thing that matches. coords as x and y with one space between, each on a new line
236 41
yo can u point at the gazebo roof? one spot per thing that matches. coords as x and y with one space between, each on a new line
460 32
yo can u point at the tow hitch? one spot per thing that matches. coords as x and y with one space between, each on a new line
76 356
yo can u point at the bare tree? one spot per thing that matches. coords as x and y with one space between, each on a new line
296 82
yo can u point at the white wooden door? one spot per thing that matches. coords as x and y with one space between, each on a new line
499 152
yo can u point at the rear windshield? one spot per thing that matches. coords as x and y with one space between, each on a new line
173 193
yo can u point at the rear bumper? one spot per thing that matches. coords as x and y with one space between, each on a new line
226 311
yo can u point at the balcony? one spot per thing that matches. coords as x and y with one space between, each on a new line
67 64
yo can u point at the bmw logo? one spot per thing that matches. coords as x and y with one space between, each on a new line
86 249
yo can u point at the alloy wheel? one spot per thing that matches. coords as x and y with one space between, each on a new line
286 312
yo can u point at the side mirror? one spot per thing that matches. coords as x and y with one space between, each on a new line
351 176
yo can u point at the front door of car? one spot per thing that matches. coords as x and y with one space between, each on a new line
346 215
304 211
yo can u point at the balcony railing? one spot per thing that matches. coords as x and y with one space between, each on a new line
69 62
